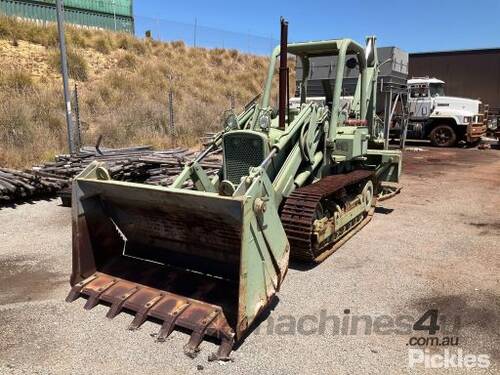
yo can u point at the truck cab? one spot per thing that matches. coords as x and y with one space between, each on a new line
444 120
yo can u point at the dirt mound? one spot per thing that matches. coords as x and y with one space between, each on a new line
123 87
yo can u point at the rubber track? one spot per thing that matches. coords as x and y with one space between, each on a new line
297 214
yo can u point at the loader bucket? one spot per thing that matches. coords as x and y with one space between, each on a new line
191 260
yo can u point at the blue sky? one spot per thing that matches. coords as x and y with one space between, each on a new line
414 26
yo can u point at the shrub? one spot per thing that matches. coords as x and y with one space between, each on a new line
17 80
15 122
233 53
138 46
127 61
124 42
217 60
77 65
103 45
5 27
178 44
77 37
132 44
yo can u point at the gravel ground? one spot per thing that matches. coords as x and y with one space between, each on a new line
434 246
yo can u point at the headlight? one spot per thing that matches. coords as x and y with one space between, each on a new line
467 119
494 122
231 122
265 122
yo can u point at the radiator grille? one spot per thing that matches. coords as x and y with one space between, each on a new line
241 151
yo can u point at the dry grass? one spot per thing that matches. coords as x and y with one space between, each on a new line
123 90
31 126
77 65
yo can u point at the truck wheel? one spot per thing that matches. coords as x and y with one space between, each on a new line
443 136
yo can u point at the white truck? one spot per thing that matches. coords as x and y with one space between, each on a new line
444 120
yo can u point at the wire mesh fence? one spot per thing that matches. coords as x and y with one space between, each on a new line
194 34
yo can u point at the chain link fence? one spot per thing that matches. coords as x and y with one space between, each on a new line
196 35
113 18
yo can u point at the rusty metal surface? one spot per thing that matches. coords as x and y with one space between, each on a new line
172 309
475 131
175 228
159 225
147 254
355 122
299 209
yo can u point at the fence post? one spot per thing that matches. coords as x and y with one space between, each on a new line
231 101
171 122
64 71
248 41
78 133
194 34
158 28
114 12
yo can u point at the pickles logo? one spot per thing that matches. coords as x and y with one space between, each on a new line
447 359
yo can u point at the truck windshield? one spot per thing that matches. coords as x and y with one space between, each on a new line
437 89
419 92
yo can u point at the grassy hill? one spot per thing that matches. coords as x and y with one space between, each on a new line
123 88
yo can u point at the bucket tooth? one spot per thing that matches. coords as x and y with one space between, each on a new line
74 293
224 350
191 349
94 295
117 305
169 323
142 314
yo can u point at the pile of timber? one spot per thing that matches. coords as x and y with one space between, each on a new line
134 164
21 186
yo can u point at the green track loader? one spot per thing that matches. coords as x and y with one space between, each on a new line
207 257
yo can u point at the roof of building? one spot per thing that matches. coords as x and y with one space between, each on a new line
458 52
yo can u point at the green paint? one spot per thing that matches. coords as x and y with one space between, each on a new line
94 14
262 166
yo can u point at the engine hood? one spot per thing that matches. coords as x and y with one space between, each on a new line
452 103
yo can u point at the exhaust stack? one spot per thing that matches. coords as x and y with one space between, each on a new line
283 78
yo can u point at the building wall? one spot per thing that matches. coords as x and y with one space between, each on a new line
471 74
119 7
44 11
